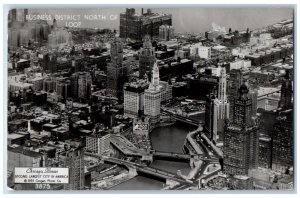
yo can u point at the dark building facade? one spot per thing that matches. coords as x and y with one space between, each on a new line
179 89
286 93
236 38
146 58
283 132
234 83
73 159
116 70
206 83
282 148
241 137
26 96
175 68
265 151
210 114
269 56
80 86
136 26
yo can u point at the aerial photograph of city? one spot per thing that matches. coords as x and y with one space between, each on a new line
149 98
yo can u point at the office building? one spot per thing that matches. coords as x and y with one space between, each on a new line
63 88
265 151
283 132
204 52
21 157
116 71
174 68
207 83
166 91
98 143
153 97
73 158
235 82
241 137
135 26
223 106
134 98
211 117
217 111
282 148
59 37
240 64
84 85
146 58
80 83
166 32
253 93
286 92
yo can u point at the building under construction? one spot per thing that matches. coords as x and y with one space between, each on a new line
136 26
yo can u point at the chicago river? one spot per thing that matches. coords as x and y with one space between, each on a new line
168 139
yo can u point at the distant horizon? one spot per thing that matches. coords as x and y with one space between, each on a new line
183 19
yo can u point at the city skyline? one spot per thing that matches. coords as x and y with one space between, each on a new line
228 17
145 107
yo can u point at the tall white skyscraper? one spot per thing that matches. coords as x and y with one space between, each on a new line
218 110
153 97
222 96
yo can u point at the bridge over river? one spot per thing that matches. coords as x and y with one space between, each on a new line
141 168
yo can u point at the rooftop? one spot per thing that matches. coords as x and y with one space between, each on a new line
266 90
242 177
61 129
14 136
23 151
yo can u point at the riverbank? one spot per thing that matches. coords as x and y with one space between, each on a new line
109 183
139 183
163 138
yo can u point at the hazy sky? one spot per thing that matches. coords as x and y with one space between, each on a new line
184 19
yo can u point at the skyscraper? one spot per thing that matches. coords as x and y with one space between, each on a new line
72 158
134 98
222 85
146 58
222 96
253 92
116 71
13 13
84 85
265 151
166 32
282 148
241 136
283 134
166 91
217 110
25 13
211 117
286 92
235 82
223 106
153 97
74 85
136 26
81 83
